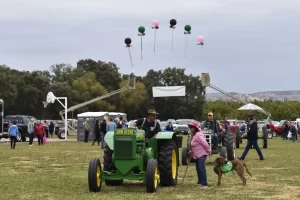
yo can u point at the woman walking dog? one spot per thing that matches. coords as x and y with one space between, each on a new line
199 150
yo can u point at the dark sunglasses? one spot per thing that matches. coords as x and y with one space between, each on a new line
209 115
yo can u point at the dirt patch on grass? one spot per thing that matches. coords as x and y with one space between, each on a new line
272 168
59 165
184 196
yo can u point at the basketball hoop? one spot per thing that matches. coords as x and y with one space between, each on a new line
45 104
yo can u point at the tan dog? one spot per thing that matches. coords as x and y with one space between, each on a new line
237 165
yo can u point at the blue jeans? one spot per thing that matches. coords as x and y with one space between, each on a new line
249 145
201 171
216 139
285 134
294 138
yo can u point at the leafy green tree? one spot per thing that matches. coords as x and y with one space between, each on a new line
86 88
133 102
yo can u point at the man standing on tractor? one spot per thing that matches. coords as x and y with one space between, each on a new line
212 124
149 125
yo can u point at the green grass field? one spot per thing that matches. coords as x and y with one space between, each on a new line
58 170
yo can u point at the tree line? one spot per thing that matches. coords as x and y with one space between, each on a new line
24 91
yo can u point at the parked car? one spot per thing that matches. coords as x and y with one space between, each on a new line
181 126
21 122
163 125
59 129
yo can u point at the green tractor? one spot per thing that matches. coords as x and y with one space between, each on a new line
128 156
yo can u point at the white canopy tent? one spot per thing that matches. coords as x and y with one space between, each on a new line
251 106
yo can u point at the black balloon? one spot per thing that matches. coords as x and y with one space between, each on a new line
127 41
173 22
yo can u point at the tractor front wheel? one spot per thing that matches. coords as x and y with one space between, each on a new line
184 156
94 175
152 176
168 163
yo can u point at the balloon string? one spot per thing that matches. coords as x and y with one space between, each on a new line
154 38
141 47
172 41
185 45
130 58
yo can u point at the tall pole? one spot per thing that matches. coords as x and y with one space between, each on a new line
66 118
2 114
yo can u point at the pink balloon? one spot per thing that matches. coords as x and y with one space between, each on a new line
155 23
200 38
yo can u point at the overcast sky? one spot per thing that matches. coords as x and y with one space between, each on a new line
258 39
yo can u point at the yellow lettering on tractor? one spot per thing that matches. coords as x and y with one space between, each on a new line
124 131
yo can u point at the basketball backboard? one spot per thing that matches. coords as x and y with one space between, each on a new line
50 97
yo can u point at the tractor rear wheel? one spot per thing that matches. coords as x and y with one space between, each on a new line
265 137
237 140
109 166
94 175
223 152
168 163
152 176
184 156
230 146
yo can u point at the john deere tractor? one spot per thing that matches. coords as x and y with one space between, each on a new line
128 156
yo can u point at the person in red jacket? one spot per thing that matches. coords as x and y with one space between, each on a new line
39 132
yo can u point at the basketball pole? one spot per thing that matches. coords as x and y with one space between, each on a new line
66 113
2 114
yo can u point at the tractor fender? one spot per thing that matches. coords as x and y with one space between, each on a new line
109 139
165 135
150 153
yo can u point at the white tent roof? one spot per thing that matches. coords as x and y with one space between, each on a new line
92 114
250 106
116 113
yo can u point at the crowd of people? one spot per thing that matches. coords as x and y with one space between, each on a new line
290 130
38 130
102 128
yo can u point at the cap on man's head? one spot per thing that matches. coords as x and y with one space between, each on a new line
210 114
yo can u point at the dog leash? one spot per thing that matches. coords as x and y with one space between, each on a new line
189 160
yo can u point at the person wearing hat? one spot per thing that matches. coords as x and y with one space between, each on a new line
252 137
87 130
199 150
149 124
212 124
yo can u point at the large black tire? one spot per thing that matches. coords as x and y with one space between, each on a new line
184 156
61 135
168 167
223 152
230 146
108 162
19 137
94 175
152 176
237 138
270 135
265 137
109 166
